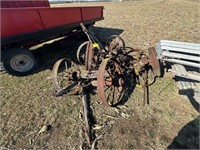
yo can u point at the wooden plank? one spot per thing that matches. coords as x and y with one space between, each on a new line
183 56
193 85
184 45
180 85
198 85
194 76
182 62
180 71
188 76
184 85
179 49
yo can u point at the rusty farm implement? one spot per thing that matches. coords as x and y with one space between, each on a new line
108 68
111 69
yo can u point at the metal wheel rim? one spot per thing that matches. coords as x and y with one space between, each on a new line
78 53
101 83
58 90
89 56
110 39
21 63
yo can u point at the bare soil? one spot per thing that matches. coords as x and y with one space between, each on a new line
31 117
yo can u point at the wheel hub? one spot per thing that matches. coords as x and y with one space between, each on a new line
21 63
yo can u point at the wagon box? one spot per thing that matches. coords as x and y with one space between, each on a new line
22 25
24 3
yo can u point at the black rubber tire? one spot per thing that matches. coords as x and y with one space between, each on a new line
19 61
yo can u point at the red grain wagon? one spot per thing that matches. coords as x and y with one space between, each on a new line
26 22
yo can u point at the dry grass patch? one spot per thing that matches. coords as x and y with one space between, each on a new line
27 103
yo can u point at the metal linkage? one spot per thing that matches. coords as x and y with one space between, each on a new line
109 68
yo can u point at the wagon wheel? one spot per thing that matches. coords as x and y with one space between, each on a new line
110 82
80 54
64 76
154 61
19 61
115 42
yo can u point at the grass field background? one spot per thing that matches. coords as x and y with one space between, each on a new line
27 103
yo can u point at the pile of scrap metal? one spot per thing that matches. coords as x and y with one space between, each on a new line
109 68
184 60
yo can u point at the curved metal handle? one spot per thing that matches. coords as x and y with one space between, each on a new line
83 27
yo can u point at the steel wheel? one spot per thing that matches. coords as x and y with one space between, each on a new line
80 54
65 77
115 42
110 82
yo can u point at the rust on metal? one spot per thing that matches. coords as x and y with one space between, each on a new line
57 88
144 76
89 56
101 83
108 68
154 61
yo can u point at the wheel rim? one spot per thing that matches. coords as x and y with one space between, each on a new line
80 54
21 63
64 77
89 56
114 42
110 82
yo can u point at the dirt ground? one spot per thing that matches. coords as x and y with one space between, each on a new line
31 117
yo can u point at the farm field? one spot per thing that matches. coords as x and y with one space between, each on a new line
170 121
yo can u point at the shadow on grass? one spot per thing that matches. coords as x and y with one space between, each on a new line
190 93
48 54
188 136
104 33
128 90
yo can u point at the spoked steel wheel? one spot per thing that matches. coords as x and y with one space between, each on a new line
80 54
115 42
110 82
87 55
65 77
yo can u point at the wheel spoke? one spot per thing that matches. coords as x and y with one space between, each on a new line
113 96
109 74
108 87
62 79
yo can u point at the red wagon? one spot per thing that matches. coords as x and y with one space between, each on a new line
24 23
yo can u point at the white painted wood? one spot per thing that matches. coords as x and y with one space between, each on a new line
182 56
179 49
187 63
184 45
179 70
